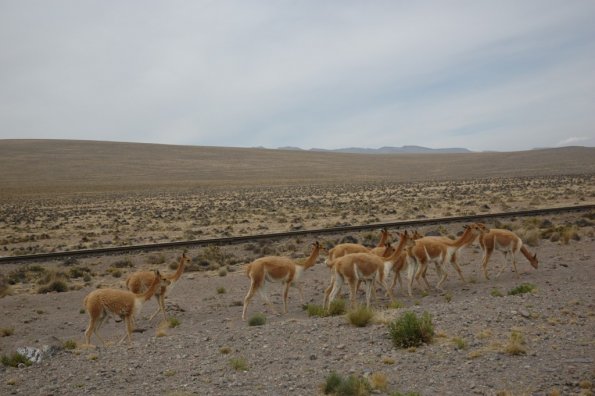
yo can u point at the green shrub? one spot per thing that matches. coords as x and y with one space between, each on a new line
258 319
496 292
156 259
124 263
396 305
69 344
14 360
315 310
222 271
58 286
337 307
350 386
6 331
333 381
408 330
522 289
173 322
221 290
459 343
239 364
78 272
360 316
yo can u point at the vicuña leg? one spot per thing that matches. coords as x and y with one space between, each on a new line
337 284
484 262
160 307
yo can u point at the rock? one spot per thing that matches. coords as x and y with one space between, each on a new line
524 313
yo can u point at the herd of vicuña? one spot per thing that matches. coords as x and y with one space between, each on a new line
349 263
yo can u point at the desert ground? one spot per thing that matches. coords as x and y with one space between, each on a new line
486 340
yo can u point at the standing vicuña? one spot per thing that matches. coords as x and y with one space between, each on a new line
439 251
362 267
140 281
508 243
125 304
277 269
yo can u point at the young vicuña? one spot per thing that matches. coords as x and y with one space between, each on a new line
508 243
438 250
362 267
140 281
116 302
271 269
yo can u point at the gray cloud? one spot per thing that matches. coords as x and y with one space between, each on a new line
484 75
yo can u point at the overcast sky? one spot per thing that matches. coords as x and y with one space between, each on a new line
485 75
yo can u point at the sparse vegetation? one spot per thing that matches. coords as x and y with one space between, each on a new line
337 307
315 310
225 350
58 286
522 289
239 363
496 292
516 344
409 331
459 343
353 385
173 322
378 381
124 263
360 316
69 344
395 304
6 331
258 319
14 360
156 259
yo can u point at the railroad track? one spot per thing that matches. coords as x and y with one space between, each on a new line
281 235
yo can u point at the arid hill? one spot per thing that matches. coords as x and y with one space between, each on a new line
68 165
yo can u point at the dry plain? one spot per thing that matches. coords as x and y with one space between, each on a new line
72 195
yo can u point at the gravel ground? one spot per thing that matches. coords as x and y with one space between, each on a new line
293 354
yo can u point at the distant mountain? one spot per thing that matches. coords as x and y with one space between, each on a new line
387 150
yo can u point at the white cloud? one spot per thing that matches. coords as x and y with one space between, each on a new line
573 141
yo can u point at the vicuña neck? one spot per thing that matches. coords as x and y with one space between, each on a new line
151 290
383 239
312 259
393 257
465 239
180 269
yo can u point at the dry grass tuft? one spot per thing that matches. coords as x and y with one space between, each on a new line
378 381
516 344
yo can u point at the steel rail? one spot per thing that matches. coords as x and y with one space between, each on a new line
288 234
